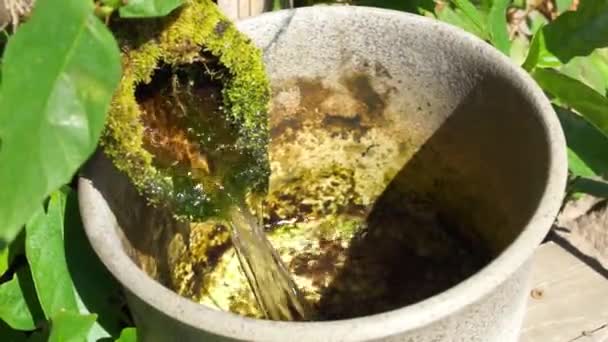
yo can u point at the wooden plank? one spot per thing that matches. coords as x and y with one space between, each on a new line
569 300
239 9
230 8
244 8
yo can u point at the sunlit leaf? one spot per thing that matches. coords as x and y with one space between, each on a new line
456 18
113 3
585 70
70 327
599 58
469 10
4 260
485 5
586 145
58 74
577 166
148 8
538 55
14 309
519 49
591 70
44 247
128 335
536 20
578 33
519 3
576 95
497 24
67 274
563 5
572 34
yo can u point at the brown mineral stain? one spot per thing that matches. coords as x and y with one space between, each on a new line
351 107
284 125
382 71
361 89
321 268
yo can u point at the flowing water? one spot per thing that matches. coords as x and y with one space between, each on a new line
275 290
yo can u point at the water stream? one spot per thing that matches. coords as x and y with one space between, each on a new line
275 290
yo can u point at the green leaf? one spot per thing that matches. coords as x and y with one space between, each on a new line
586 145
11 252
595 187
70 327
95 288
44 248
67 274
128 335
519 3
577 166
469 10
39 336
278 5
569 36
148 8
456 18
578 33
114 4
14 308
4 260
536 20
519 49
563 5
591 105
585 70
59 72
10 335
591 70
599 58
497 23
484 5
538 55
413 6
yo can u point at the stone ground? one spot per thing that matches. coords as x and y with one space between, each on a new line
568 300
582 228
569 297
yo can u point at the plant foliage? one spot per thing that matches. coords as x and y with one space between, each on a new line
61 67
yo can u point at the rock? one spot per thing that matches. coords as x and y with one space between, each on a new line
583 223
13 11
5 16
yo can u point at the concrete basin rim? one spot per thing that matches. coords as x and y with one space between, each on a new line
108 246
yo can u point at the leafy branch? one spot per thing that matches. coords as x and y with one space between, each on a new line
59 72
559 52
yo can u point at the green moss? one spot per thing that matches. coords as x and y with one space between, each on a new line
322 192
178 40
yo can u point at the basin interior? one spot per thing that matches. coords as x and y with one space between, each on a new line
401 165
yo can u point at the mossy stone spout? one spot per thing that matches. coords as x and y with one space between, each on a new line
189 123
189 128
